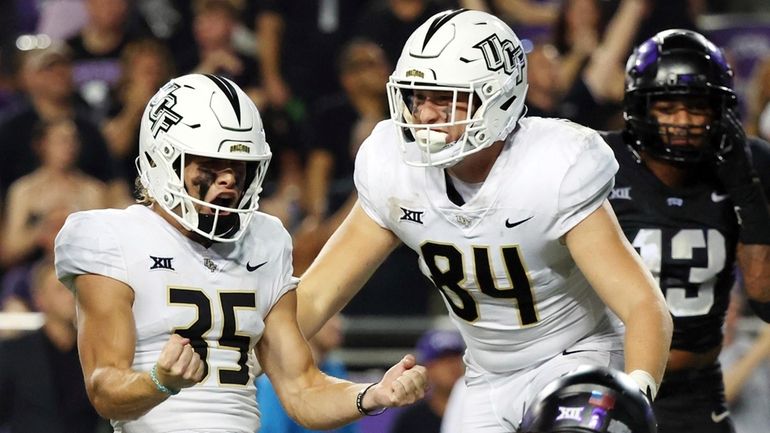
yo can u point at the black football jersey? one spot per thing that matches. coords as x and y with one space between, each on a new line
686 237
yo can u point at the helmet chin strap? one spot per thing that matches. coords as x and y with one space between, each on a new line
227 225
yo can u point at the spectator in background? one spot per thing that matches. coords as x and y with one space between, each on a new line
337 127
389 23
746 363
576 34
45 77
41 383
274 417
545 90
296 41
96 51
595 95
57 184
441 352
758 95
531 18
214 22
145 66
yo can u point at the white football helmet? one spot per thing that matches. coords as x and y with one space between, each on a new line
204 115
476 56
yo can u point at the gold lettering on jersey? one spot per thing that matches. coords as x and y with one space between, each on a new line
414 73
463 220
210 264
239 147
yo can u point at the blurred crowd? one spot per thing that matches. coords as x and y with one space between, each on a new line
75 76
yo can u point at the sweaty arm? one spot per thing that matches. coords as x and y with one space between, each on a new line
346 262
313 399
106 342
618 275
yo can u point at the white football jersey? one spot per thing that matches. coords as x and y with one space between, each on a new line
218 297
509 282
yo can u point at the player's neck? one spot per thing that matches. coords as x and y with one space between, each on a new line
671 175
475 168
187 233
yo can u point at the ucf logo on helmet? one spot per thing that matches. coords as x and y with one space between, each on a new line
503 55
161 114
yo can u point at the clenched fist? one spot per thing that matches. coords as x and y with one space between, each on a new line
178 364
403 384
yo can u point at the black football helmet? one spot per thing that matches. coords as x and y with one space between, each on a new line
677 63
590 400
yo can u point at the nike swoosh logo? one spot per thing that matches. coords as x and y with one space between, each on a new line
511 225
719 418
566 352
253 268
716 198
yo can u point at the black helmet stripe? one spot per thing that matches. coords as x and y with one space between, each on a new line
438 23
229 92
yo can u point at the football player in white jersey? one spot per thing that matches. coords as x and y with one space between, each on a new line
179 298
510 220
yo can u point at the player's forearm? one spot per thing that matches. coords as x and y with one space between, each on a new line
754 262
270 30
648 339
329 404
737 375
122 394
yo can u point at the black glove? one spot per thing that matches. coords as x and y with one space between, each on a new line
733 159
736 172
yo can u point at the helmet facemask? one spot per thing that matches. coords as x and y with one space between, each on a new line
677 143
433 145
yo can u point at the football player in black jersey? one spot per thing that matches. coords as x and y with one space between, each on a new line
691 197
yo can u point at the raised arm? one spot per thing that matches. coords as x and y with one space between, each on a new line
349 258
604 74
106 343
620 278
318 401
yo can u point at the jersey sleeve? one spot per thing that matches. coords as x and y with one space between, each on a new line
587 182
286 281
366 172
86 244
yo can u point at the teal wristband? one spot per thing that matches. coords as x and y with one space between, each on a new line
161 387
